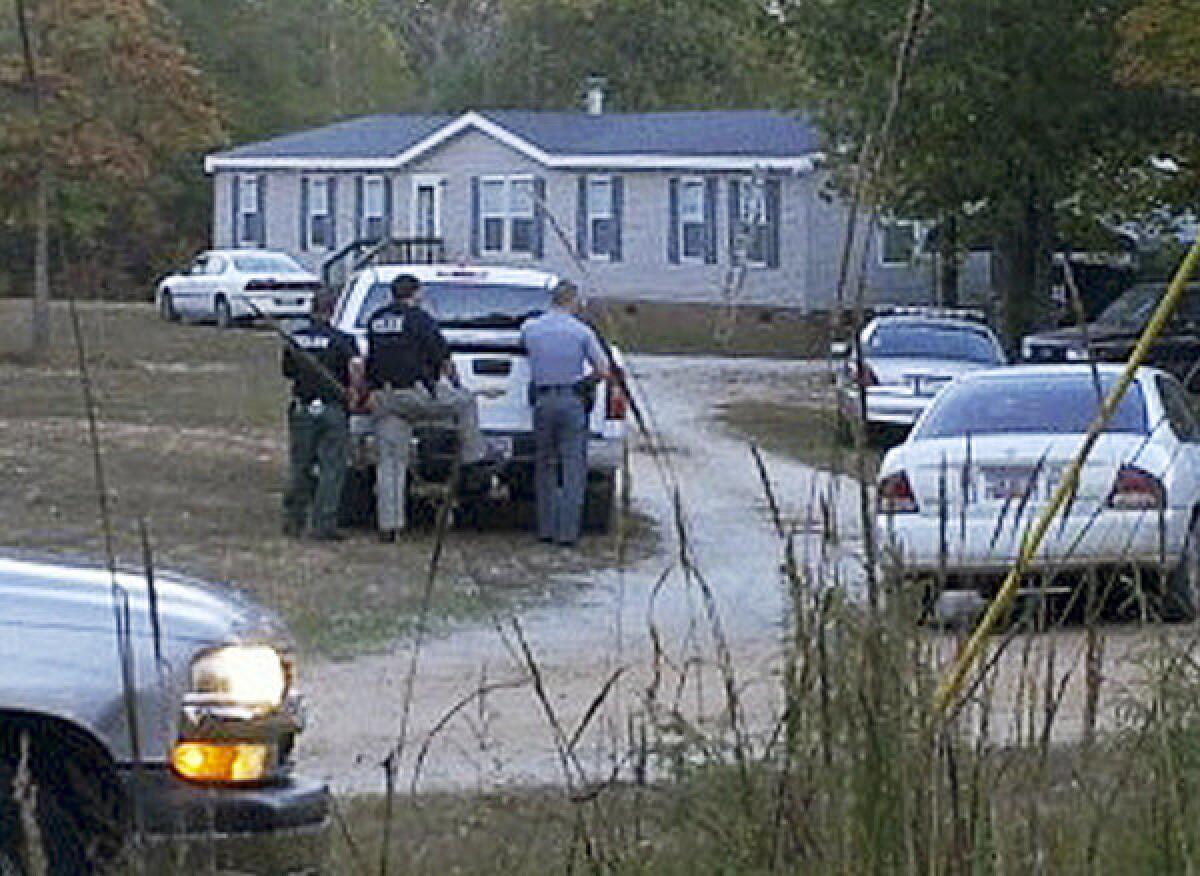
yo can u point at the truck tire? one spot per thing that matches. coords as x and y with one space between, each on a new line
9 849
600 503
358 498
80 808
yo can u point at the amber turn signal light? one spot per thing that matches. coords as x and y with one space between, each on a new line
220 761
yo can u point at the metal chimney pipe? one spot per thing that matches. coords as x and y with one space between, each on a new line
596 85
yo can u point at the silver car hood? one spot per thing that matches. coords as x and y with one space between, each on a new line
34 593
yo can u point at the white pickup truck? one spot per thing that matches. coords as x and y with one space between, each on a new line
480 310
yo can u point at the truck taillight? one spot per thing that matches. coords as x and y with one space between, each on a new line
1135 489
618 405
895 494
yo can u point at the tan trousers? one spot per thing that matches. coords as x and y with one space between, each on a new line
396 412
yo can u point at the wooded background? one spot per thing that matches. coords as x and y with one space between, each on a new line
1021 124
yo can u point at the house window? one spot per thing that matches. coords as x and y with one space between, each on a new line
250 225
753 233
693 242
492 214
374 206
898 241
601 218
320 216
507 215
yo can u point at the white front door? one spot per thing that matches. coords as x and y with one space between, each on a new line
426 206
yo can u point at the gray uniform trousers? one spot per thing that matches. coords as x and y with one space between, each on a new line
396 412
560 432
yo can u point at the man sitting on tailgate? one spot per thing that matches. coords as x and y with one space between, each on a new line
412 379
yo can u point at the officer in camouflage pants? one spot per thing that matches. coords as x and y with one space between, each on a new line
317 361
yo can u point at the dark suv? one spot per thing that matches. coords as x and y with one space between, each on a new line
1112 337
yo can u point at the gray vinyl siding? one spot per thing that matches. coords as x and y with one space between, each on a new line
811 231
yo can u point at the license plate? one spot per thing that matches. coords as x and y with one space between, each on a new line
1008 482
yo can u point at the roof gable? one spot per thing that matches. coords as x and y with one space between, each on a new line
694 140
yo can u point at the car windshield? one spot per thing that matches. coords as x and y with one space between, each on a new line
265 263
916 340
1060 404
467 304
1133 308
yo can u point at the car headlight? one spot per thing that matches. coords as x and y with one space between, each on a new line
241 675
1075 354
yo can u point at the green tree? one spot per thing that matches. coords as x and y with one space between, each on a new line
1013 114
96 96
284 65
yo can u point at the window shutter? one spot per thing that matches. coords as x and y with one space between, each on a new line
304 213
237 212
673 221
581 219
331 241
475 216
774 219
360 224
618 195
539 217
735 219
262 210
710 220
388 184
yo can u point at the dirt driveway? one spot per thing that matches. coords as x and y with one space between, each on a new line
476 718
578 693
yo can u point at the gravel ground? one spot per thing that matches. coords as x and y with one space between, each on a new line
475 718
645 641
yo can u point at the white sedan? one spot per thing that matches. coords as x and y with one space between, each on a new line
908 354
956 499
227 285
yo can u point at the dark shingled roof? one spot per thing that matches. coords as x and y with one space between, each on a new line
713 132
748 133
383 136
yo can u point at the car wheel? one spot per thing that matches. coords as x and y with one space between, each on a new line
1182 596
79 811
166 307
599 504
223 313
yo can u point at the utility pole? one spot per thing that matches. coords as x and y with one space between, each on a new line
40 336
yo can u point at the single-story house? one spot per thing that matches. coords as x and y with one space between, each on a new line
701 206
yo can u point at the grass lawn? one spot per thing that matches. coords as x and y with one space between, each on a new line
192 440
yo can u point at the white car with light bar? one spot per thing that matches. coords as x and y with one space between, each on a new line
480 310
908 355
226 286
149 705
956 499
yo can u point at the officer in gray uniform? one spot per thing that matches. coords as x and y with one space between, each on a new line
317 360
412 380
560 349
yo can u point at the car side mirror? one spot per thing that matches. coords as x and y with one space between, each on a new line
839 349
